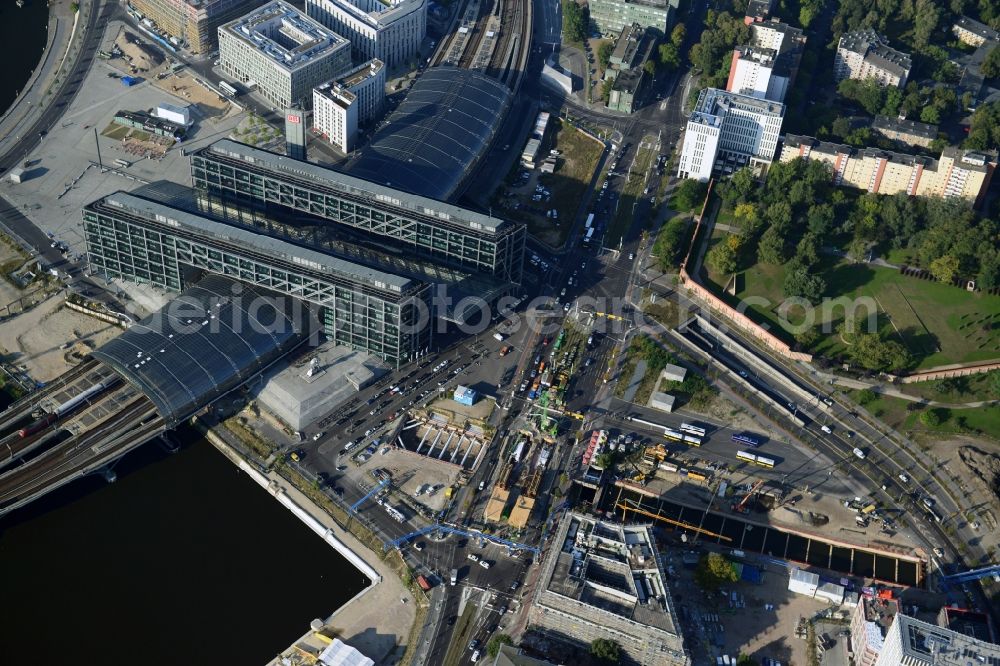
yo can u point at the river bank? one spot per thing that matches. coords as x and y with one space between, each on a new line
379 619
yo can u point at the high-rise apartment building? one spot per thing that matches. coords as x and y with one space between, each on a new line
282 52
390 31
958 173
866 55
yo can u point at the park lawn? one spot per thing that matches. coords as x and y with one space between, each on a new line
973 388
938 323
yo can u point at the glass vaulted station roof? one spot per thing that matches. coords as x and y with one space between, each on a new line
437 135
207 341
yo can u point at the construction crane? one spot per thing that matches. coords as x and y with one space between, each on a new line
971 575
382 484
741 506
670 521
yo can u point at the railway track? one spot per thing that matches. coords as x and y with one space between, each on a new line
77 454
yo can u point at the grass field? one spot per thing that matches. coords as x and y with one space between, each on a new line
631 193
938 324
904 415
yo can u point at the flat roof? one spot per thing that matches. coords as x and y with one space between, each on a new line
712 99
288 37
889 124
207 341
358 186
434 139
159 213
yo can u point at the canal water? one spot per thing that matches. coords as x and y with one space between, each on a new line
183 560
23 35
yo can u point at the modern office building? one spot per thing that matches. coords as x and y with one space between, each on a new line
390 31
727 131
343 104
132 237
905 131
404 225
605 580
957 173
882 636
194 23
752 73
282 52
611 16
973 32
866 55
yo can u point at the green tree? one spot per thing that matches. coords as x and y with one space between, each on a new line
677 35
927 13
870 351
746 660
931 115
991 65
944 269
493 647
807 251
800 283
670 243
575 21
649 67
867 396
75 7
690 194
604 52
605 460
933 417
670 56
714 571
743 183
606 650
606 89
771 247
723 259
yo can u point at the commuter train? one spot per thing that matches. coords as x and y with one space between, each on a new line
65 409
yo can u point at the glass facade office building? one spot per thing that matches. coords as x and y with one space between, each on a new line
438 231
133 238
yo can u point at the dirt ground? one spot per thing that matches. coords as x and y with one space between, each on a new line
719 629
976 463
135 58
34 339
410 471
183 84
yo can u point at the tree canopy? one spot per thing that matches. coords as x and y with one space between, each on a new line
714 571
576 19
606 650
493 646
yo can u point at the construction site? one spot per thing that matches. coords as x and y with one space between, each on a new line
519 481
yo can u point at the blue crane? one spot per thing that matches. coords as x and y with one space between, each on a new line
513 545
382 484
970 576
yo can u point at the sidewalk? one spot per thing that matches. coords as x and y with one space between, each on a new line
63 27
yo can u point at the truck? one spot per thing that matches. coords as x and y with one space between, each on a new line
505 350
590 221
424 584
454 576
518 450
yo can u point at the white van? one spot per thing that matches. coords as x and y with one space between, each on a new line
859 453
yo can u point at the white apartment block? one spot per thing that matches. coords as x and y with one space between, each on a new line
390 31
282 52
352 99
881 636
728 130
776 35
866 55
963 174
752 72
973 32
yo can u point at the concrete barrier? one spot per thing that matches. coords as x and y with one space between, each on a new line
312 523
